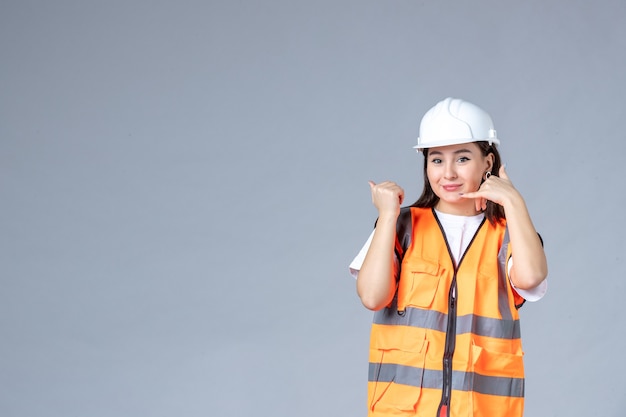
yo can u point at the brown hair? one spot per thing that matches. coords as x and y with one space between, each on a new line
494 212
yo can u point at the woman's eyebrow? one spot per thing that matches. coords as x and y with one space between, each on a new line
458 151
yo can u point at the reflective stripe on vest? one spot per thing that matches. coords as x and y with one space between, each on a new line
450 340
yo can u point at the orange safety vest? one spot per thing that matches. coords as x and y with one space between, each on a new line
449 343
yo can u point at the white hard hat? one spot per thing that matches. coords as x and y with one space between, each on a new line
453 121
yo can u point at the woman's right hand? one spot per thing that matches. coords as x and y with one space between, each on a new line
387 197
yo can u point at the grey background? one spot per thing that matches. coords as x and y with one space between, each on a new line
183 185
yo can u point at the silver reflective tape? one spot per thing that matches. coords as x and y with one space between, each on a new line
461 381
434 320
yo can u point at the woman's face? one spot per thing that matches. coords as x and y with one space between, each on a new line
456 169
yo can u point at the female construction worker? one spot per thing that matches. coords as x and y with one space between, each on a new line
447 275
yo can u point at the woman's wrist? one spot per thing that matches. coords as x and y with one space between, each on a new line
387 217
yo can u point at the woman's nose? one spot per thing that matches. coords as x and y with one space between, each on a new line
450 172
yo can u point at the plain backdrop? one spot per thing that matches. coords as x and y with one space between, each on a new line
184 183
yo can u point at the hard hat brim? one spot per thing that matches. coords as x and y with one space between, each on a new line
455 141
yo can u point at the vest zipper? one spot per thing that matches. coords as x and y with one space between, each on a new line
444 405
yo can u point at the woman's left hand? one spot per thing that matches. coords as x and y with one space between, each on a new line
498 189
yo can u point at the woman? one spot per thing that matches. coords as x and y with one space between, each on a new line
447 275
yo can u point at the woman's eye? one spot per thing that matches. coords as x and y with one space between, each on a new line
436 161
463 159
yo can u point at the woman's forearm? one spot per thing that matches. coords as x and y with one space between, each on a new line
375 283
530 266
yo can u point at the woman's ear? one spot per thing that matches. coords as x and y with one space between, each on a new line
490 161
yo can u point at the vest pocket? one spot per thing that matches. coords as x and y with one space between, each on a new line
418 285
497 373
396 376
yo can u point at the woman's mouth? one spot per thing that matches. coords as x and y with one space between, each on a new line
451 187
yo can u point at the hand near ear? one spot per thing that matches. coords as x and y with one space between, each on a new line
498 189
